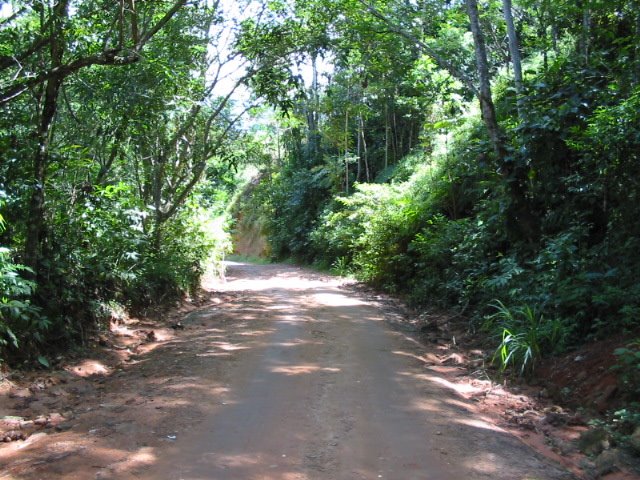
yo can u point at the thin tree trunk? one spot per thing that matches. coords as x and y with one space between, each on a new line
586 31
135 37
394 136
122 25
514 50
359 151
521 223
636 70
365 152
386 133
346 151
312 115
486 100
542 33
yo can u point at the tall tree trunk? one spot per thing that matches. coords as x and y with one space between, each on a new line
346 151
484 92
386 133
636 70
394 136
365 152
312 115
520 222
47 113
514 50
542 33
585 35
359 150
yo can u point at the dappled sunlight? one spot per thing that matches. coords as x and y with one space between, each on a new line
336 300
88 368
293 279
295 343
270 466
427 358
188 386
290 385
279 306
459 404
292 283
254 333
228 347
122 330
425 405
480 424
162 335
231 460
214 354
293 319
485 463
214 330
461 388
145 456
303 369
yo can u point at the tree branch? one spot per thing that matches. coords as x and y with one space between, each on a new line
441 61
116 56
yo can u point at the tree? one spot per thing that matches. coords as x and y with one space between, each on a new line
514 50
482 91
53 56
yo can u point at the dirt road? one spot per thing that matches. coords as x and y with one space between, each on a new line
286 376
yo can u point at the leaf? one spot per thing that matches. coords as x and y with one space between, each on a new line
44 362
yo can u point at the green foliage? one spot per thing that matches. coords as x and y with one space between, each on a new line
15 308
291 201
341 267
628 366
624 422
382 168
524 335
193 243
369 231
20 322
123 264
132 153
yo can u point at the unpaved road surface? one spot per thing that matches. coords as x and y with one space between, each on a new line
287 375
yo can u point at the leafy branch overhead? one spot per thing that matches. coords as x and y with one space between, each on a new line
116 50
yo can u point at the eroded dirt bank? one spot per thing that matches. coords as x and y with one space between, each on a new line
283 375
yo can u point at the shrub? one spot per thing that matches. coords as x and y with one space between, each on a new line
21 323
628 366
524 335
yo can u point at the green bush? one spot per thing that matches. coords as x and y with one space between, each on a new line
628 366
21 323
524 335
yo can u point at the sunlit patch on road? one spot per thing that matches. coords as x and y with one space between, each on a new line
303 369
336 300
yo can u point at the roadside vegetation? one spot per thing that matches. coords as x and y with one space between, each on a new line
464 171
479 157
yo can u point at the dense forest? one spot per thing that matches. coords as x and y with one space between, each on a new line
480 157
